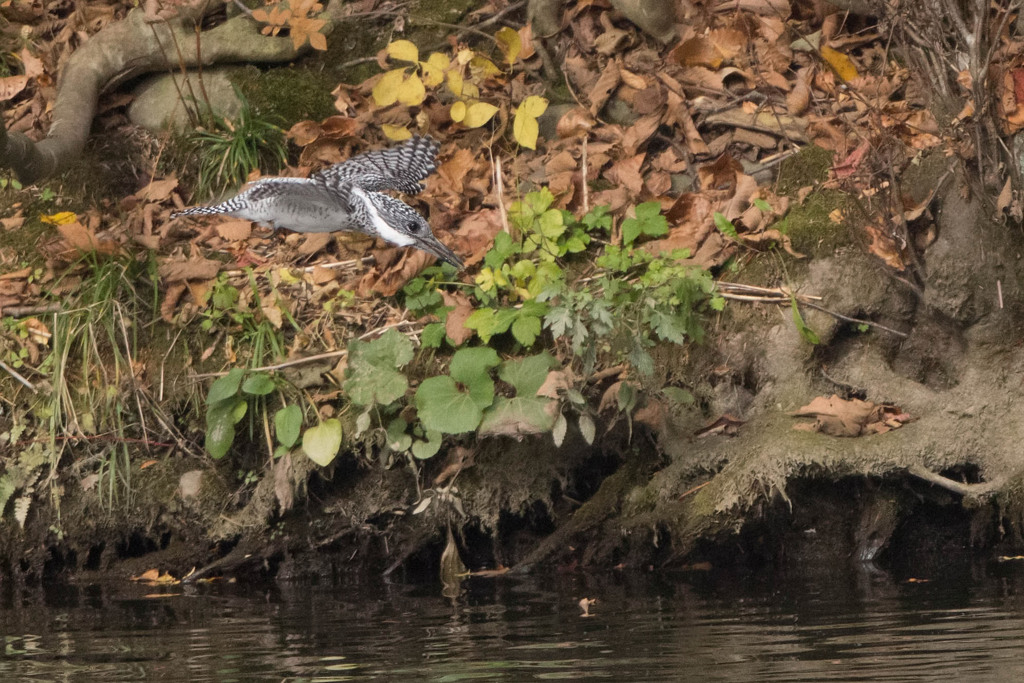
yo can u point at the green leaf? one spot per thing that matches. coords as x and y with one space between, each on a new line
288 425
763 205
220 426
488 322
470 368
648 221
725 226
373 369
259 384
432 336
679 396
398 440
422 450
443 408
525 329
807 333
322 443
502 250
225 387
527 374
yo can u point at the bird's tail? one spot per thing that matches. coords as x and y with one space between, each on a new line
205 210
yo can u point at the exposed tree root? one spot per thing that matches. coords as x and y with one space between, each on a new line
130 48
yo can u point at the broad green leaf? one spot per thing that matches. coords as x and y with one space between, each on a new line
373 369
441 407
432 336
488 322
398 440
527 374
220 426
526 329
478 113
469 364
470 368
509 44
288 425
322 443
225 387
385 92
678 396
423 450
403 50
259 384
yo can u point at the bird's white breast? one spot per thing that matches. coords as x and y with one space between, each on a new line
384 231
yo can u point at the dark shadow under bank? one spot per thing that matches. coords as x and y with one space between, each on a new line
901 529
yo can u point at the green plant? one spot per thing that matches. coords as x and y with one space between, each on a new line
229 151
91 370
247 317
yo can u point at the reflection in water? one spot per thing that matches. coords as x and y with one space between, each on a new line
666 628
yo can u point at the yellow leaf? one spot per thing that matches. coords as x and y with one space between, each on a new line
433 70
412 91
470 90
525 130
478 113
464 55
385 93
62 218
458 111
842 64
524 127
484 66
533 105
396 133
439 61
404 50
288 277
455 83
509 43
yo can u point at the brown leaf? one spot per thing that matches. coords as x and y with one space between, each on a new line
304 132
196 268
606 84
284 491
837 416
453 171
10 86
157 190
234 230
626 173
574 122
453 325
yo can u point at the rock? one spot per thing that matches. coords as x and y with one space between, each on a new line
157 105
190 483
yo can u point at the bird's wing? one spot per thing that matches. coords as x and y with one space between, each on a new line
401 167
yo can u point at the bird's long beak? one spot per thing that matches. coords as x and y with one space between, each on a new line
432 245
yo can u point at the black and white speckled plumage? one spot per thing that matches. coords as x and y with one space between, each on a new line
346 196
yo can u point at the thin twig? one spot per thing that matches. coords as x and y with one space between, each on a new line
13 373
988 488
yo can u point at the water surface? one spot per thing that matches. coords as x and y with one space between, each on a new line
844 625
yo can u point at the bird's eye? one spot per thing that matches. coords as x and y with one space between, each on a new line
412 226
